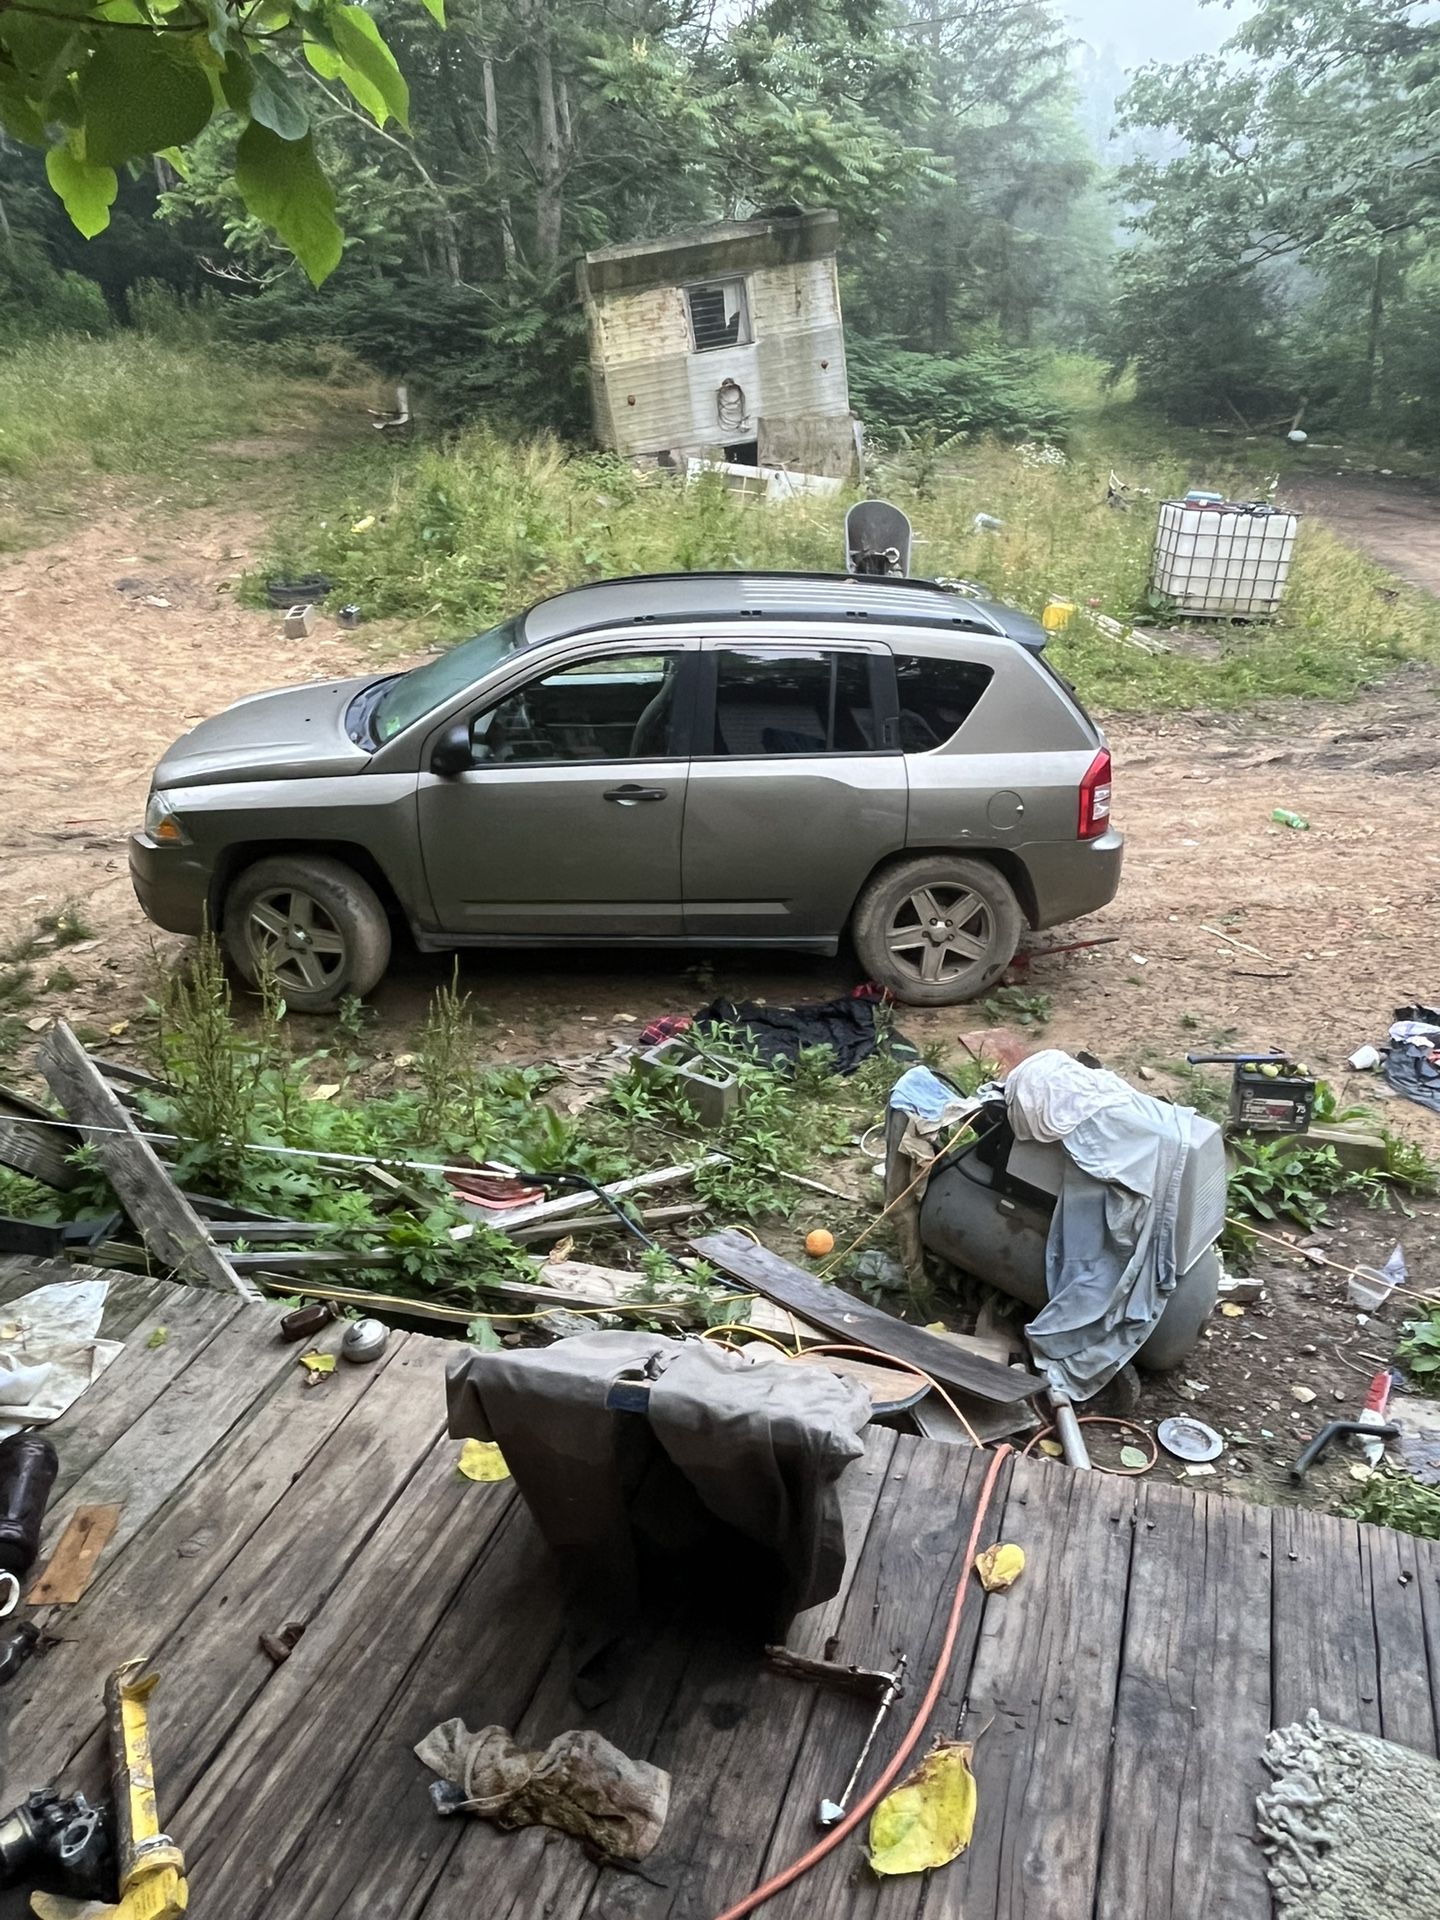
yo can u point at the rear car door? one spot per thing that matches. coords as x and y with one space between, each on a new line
568 822
797 787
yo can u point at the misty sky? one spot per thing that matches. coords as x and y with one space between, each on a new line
1141 30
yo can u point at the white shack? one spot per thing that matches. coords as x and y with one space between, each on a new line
723 342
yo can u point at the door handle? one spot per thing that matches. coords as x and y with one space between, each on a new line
631 795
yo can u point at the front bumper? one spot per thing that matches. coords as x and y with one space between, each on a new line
1071 878
172 885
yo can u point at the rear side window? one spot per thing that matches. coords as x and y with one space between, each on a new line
937 697
771 701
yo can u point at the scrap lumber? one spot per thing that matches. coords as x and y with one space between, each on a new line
847 1319
583 1197
31 1143
170 1227
544 1230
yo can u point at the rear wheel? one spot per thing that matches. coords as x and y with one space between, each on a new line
311 925
936 930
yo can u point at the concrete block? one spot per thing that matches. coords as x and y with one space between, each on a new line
712 1093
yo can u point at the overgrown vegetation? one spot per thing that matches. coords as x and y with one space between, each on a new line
1289 1183
289 1134
454 536
1418 1350
1397 1500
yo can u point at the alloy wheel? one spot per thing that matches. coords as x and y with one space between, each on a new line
295 941
939 932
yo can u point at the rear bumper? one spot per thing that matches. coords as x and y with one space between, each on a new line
1069 880
171 884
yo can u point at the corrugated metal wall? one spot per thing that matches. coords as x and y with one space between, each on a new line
652 392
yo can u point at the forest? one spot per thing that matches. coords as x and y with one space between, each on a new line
1249 236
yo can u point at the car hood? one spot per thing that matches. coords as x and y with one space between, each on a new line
289 734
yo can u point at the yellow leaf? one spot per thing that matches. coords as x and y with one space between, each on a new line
317 1362
364 524
482 1460
929 1818
1232 1312
1052 1449
323 1093
1000 1567
936 1326
119 1027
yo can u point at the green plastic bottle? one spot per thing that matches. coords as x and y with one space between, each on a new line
1288 819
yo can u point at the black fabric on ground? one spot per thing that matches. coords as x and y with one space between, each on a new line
1415 1070
779 1034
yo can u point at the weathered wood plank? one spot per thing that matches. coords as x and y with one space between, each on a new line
899 1603
153 1453
30 1142
1191 1714
261 1534
1043 1689
190 1319
1398 1565
583 1197
1323 1623
251 1820
168 1224
846 1319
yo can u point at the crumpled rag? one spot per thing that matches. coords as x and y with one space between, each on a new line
579 1783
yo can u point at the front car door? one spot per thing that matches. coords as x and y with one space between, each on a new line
797 787
568 822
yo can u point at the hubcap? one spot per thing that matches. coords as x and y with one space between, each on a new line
938 933
295 940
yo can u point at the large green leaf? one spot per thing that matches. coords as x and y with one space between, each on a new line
87 190
17 112
358 42
137 93
275 101
328 64
281 183
436 10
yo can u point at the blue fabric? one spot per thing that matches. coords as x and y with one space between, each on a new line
924 1094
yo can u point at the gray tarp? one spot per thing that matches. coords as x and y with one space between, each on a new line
1110 1259
755 1446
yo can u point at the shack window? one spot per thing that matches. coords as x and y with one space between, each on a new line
719 314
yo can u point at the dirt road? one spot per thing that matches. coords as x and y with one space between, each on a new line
121 638
1228 929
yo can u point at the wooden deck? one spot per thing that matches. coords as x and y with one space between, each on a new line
1124 1686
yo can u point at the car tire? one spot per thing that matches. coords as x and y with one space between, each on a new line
937 930
314 923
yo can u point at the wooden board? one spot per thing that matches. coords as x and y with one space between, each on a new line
168 1224
844 1318
1118 1693
71 1566
37 1150
1191 1712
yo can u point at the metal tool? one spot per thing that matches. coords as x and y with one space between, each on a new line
1332 1430
1269 1092
60 1845
149 1867
871 1683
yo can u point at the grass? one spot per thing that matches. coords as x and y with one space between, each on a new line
452 537
74 407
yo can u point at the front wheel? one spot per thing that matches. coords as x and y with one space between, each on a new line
936 930
311 925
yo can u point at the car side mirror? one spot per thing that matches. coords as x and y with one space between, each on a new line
454 751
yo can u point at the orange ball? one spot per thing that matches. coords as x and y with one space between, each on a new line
819 1241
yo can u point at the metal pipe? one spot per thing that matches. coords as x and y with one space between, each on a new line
1067 1427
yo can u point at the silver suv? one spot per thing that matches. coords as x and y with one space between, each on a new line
690 760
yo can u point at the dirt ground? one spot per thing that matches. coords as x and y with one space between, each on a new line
1228 930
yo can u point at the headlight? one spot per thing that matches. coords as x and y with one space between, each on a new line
161 823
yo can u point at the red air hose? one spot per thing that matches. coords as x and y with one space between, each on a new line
917 1726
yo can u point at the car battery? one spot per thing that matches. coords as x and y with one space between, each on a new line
1269 1093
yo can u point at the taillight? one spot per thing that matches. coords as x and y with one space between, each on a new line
1095 797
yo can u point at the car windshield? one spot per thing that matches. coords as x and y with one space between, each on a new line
425 688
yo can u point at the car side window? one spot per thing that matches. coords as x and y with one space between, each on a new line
937 697
614 707
790 700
